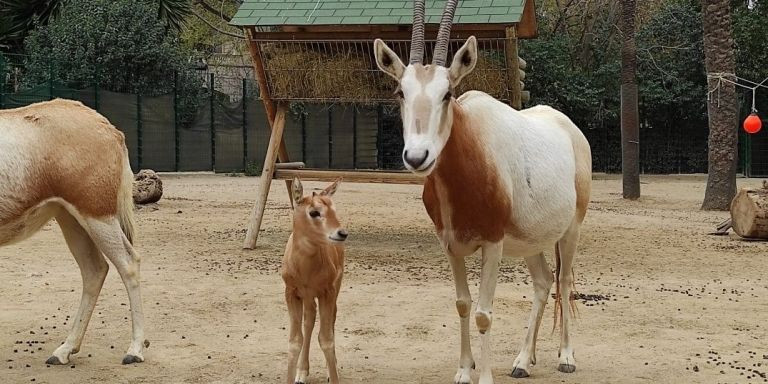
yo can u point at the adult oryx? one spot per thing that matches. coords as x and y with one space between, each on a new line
63 160
500 180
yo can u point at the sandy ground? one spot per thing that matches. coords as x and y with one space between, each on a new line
675 305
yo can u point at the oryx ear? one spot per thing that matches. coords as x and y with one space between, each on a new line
331 189
297 191
387 60
463 61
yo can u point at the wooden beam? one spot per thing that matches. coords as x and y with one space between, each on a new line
265 181
307 33
388 177
292 165
266 98
513 69
528 28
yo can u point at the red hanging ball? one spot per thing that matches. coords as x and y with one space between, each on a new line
752 123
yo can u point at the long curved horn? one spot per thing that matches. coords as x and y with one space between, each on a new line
417 36
444 33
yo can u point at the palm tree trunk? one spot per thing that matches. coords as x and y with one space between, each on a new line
722 105
630 129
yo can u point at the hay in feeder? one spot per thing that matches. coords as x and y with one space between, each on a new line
314 73
488 76
309 74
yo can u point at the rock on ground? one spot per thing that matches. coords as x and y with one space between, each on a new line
147 187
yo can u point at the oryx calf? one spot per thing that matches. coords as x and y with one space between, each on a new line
313 266
63 160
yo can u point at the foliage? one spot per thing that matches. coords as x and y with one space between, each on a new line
750 27
120 45
19 17
672 85
173 12
199 36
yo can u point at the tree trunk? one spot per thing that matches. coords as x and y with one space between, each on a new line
630 129
722 105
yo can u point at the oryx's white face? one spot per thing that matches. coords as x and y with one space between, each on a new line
425 93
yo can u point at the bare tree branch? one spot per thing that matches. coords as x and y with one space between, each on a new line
214 11
215 28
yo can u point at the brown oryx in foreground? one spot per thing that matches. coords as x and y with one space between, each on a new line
499 180
313 266
63 160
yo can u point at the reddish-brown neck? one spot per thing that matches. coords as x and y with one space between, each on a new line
478 206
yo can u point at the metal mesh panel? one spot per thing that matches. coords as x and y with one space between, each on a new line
346 71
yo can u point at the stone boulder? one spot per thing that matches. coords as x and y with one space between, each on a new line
147 187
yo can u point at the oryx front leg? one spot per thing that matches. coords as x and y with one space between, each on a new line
93 269
463 306
310 312
326 336
567 245
542 283
483 315
295 337
109 238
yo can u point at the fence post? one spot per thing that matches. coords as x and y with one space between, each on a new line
96 91
303 117
245 124
2 82
330 137
50 80
213 126
748 155
354 137
139 133
176 133
379 139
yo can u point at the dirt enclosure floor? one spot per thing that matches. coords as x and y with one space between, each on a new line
663 302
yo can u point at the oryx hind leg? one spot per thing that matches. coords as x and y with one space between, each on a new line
112 242
93 269
567 251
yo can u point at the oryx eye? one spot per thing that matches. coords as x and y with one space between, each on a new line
447 96
314 214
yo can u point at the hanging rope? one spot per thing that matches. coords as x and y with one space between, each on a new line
731 78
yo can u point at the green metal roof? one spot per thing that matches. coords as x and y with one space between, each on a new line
369 12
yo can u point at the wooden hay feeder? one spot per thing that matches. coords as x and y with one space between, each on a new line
322 52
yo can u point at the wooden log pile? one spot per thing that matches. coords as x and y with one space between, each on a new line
749 212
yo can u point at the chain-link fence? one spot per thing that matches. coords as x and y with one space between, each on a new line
228 130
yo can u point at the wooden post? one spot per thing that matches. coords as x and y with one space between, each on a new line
254 224
513 68
266 98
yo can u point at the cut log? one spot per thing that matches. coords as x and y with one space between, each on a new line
147 187
749 213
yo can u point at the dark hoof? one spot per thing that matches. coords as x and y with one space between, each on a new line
53 360
146 343
566 368
130 359
473 365
519 373
298 382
